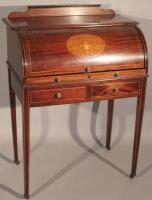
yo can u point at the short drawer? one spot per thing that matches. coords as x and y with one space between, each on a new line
58 95
115 90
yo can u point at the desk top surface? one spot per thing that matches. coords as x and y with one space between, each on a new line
66 17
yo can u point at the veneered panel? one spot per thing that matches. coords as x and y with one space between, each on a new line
96 49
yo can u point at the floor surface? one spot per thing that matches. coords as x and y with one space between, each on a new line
76 170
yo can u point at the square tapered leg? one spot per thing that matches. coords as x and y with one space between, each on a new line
138 128
109 123
26 140
13 119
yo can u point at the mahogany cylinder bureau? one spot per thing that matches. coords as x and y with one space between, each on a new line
73 54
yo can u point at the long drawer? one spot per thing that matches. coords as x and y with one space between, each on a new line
74 78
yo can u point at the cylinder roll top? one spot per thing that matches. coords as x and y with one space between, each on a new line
55 52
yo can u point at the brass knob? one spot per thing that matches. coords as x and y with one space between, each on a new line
115 90
57 80
116 75
89 76
58 95
88 69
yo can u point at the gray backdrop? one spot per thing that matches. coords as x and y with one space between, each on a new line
80 125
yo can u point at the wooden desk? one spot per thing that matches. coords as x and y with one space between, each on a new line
73 54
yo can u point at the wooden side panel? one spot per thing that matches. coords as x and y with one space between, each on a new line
84 50
14 53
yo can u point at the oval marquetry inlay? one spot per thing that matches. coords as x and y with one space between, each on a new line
85 45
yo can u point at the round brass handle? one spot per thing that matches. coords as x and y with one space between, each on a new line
115 90
89 76
57 80
116 75
88 69
58 95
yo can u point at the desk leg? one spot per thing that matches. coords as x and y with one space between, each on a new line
109 122
138 128
26 140
13 119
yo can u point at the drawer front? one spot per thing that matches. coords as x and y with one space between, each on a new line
59 95
110 75
115 90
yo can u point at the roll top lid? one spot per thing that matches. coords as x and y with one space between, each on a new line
73 51
83 39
